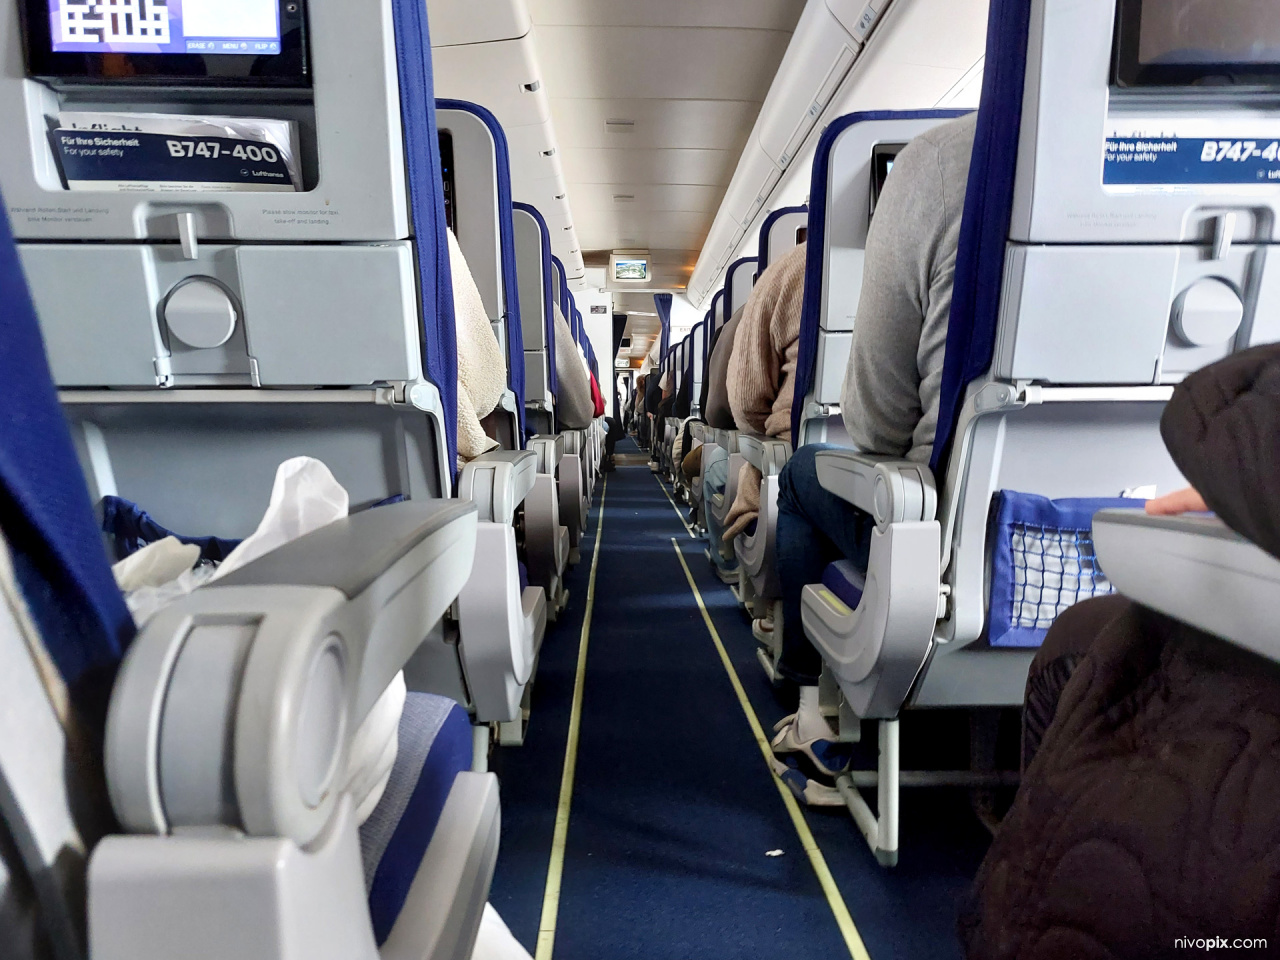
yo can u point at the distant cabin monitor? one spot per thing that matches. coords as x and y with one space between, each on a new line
627 268
883 156
247 42
1175 43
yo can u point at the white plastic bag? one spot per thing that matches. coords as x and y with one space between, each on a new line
155 564
305 497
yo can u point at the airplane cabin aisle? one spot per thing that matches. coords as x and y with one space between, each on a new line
676 822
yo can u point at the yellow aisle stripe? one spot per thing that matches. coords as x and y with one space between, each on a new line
555 869
663 487
852 939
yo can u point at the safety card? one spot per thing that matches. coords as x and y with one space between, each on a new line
165 153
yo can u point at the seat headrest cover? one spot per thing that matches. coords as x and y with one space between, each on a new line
426 205
988 207
816 251
45 512
507 243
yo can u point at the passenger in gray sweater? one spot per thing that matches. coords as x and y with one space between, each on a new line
889 403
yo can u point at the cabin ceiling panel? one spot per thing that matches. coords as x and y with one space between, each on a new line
706 167
690 78
658 63
747 14
646 197
684 221
715 124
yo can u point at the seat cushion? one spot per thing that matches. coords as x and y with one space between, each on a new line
434 747
846 581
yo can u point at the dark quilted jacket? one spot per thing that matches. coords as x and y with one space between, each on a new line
1150 810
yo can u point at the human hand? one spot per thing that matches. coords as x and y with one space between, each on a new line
1187 500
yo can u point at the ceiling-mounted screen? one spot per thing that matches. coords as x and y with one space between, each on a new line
630 269
255 41
1197 42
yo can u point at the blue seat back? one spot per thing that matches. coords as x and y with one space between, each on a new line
46 515
838 205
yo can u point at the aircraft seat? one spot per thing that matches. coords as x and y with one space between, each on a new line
552 521
1063 249
833 272
757 585
493 232
218 734
186 402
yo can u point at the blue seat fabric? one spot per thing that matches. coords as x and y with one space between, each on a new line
46 515
988 209
426 206
434 747
846 581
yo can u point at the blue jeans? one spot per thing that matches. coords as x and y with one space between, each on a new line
715 477
815 529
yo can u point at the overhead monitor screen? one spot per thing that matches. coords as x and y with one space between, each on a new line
233 27
1197 42
631 269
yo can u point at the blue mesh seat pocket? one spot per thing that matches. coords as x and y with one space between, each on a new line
1042 562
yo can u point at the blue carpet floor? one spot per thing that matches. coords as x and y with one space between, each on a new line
674 811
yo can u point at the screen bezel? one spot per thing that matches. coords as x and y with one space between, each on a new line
1128 71
882 154
220 69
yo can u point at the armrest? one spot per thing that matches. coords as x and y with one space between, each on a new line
767 454
497 482
890 489
351 554
548 448
235 703
727 439
1195 569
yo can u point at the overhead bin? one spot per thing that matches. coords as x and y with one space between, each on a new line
825 44
477 21
827 41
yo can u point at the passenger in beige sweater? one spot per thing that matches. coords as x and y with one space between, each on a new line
762 371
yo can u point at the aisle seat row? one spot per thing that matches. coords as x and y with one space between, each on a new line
184 350
976 551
